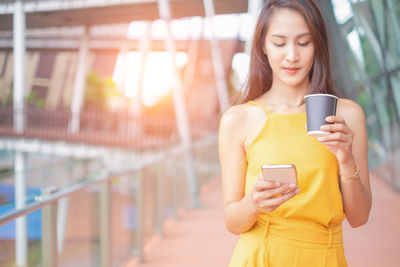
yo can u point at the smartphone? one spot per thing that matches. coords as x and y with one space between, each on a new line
283 173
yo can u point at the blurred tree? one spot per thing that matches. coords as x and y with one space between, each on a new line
34 100
372 66
99 90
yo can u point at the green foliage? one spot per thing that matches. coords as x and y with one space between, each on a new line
8 99
98 91
6 170
40 102
30 99
363 99
34 100
372 65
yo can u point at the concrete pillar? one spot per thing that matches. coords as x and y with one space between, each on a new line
220 78
179 103
144 49
179 107
19 50
79 84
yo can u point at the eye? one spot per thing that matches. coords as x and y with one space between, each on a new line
304 43
279 44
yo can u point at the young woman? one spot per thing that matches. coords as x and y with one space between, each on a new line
281 224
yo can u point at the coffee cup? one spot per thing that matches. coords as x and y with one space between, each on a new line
318 107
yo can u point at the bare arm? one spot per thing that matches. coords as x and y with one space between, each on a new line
239 216
349 143
241 211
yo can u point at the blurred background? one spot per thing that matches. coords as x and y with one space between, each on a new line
109 113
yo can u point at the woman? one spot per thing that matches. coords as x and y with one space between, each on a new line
281 224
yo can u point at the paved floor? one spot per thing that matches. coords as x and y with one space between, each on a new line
378 242
198 237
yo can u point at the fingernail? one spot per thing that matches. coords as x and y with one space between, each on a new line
323 127
320 138
297 191
292 185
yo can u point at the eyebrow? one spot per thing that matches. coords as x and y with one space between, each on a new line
297 36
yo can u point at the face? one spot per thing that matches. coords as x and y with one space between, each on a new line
289 48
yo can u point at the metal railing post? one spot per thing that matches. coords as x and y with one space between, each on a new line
138 237
171 174
159 201
21 237
105 224
49 231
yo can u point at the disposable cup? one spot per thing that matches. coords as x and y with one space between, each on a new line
318 107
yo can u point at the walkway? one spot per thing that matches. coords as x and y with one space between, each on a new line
198 237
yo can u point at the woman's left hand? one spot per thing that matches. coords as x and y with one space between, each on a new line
340 141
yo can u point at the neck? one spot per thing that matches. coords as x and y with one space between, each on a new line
286 95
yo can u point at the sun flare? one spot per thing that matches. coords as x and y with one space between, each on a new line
158 76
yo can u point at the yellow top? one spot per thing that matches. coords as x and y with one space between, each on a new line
283 140
305 230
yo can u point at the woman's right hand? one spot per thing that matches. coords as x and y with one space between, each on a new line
266 196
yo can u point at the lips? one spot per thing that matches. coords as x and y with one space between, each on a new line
291 70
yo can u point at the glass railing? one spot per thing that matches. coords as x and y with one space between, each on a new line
60 174
110 217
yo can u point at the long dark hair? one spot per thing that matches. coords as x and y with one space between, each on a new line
259 79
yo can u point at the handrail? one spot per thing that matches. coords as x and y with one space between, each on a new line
11 216
40 167
8 217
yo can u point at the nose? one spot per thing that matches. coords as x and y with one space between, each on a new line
292 54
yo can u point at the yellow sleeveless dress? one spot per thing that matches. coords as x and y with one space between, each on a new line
306 230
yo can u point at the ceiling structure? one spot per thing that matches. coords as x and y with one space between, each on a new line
118 13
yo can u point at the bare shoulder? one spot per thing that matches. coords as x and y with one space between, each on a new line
234 121
352 112
235 116
349 106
